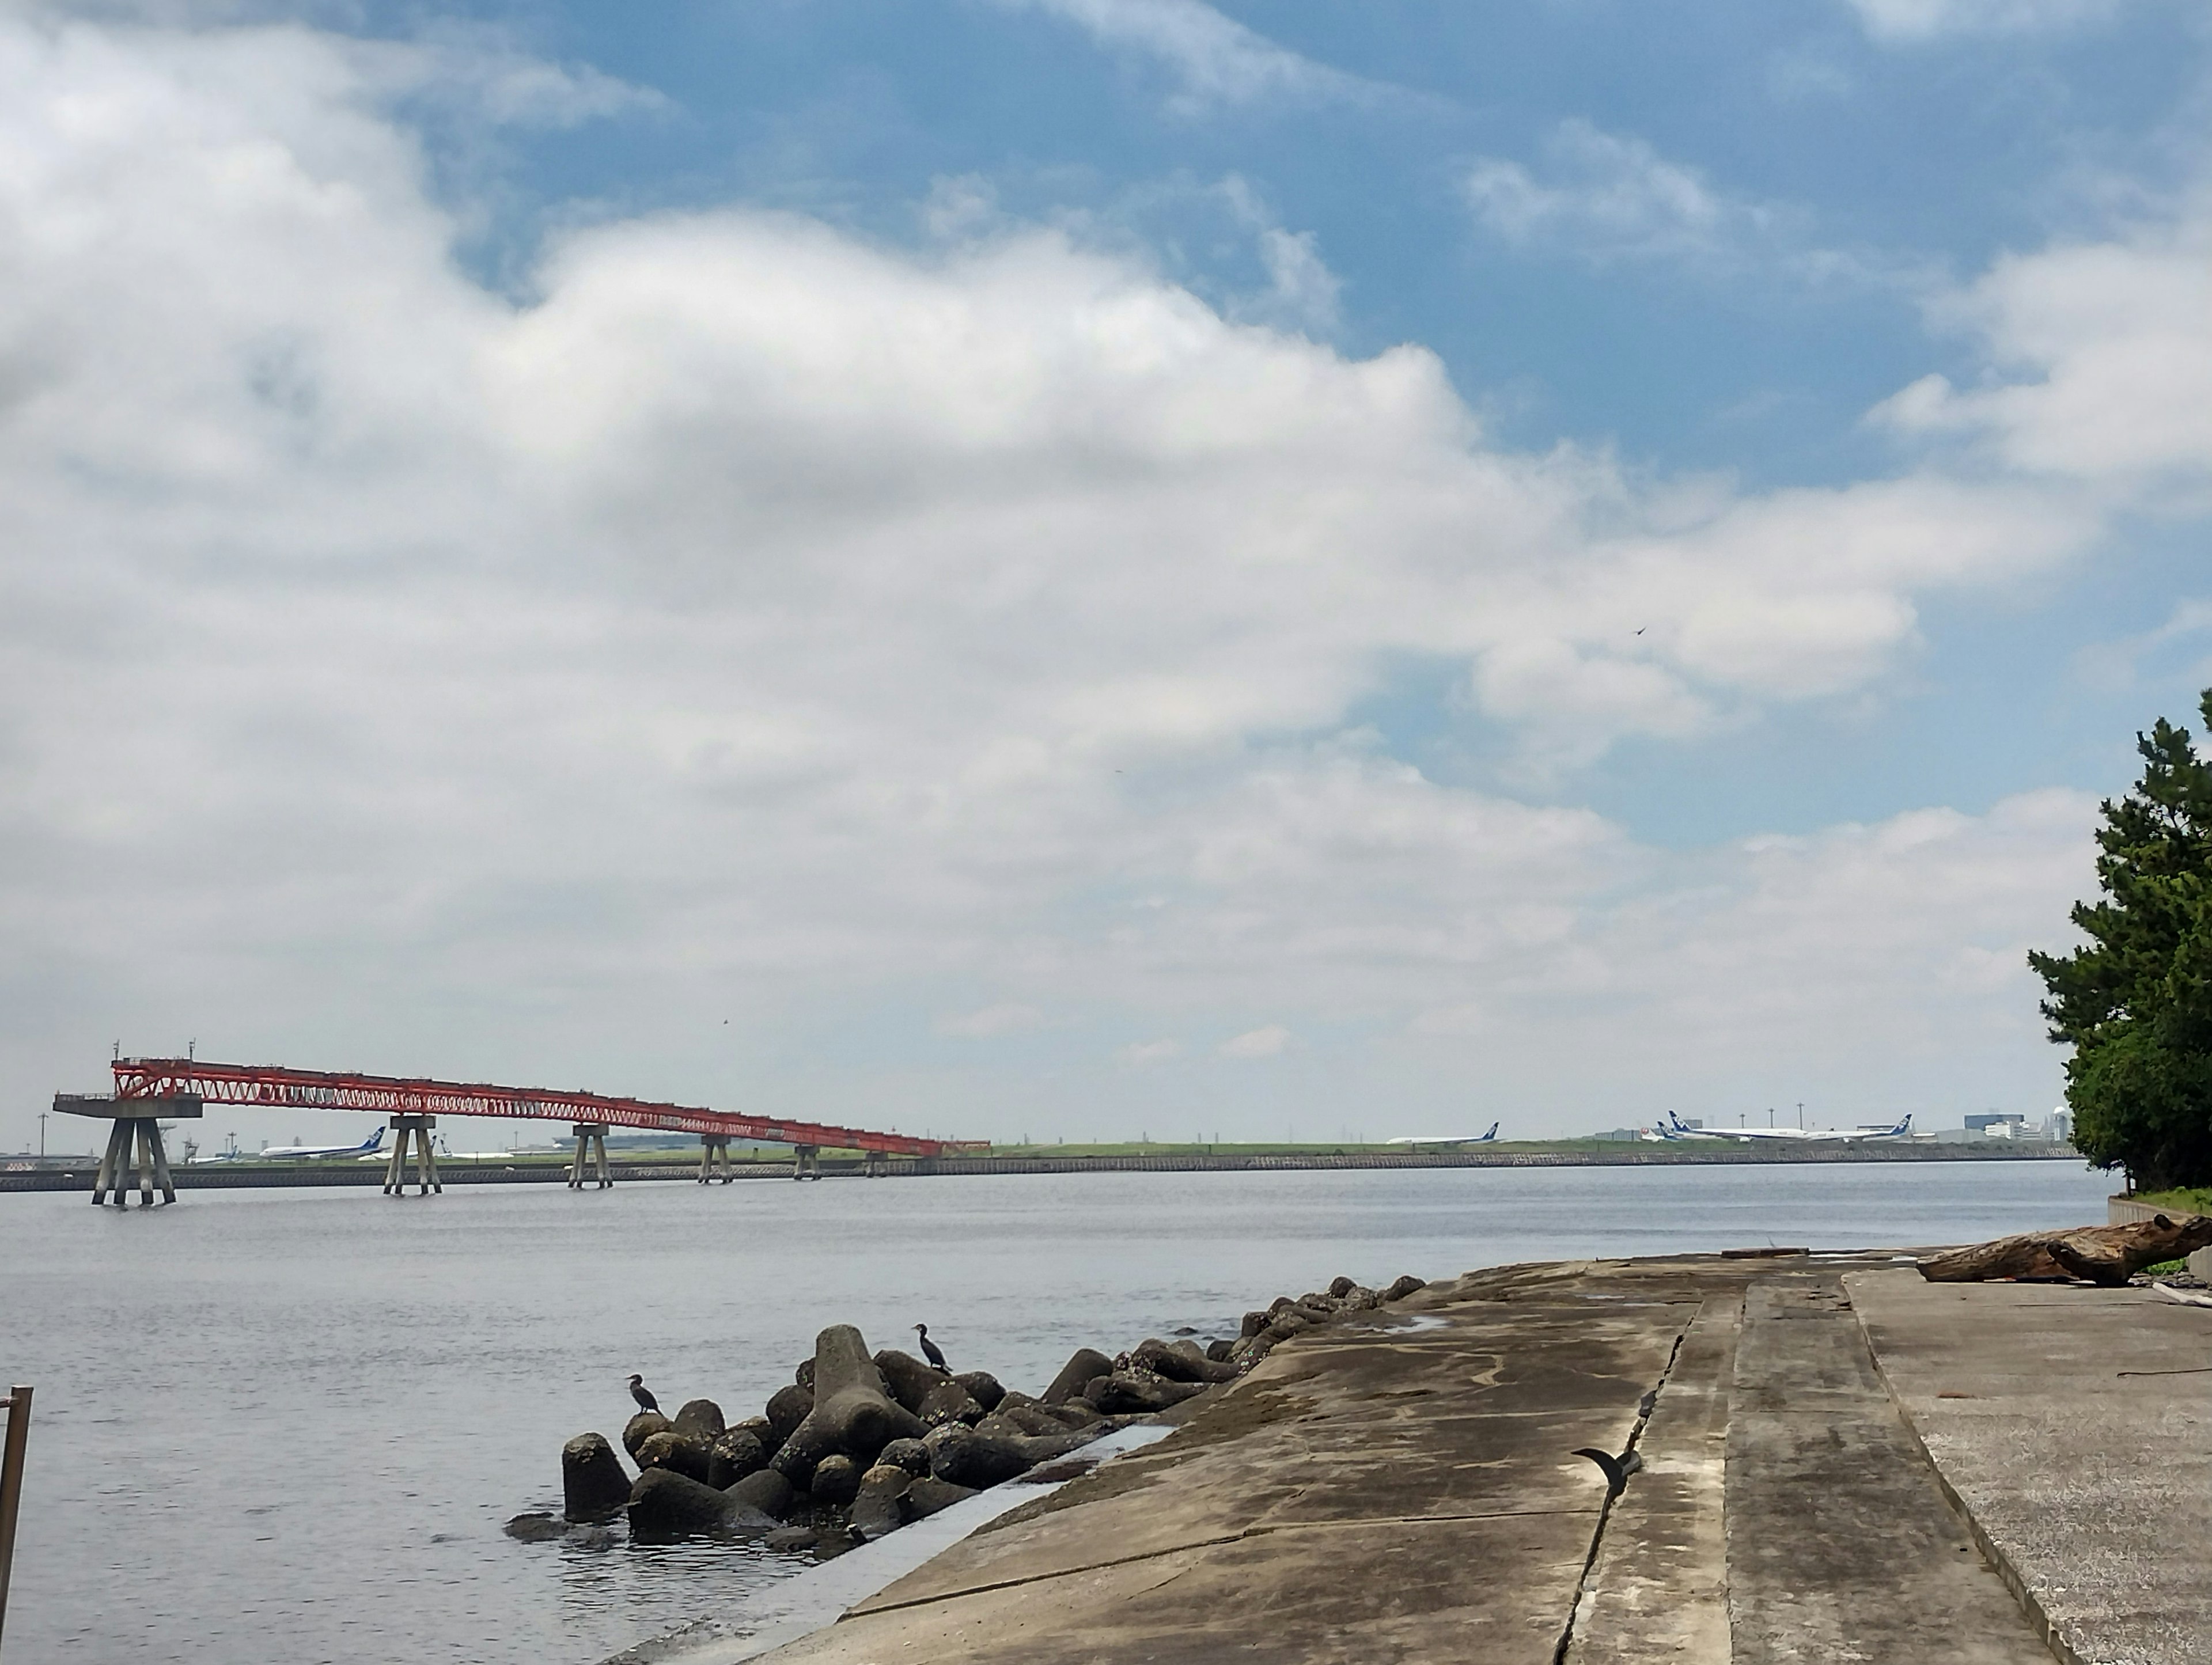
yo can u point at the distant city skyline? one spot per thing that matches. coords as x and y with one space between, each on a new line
1065 568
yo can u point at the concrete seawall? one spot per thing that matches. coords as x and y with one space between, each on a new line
1839 1461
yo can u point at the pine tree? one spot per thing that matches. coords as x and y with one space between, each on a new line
2135 1002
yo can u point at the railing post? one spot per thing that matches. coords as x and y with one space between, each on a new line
11 1484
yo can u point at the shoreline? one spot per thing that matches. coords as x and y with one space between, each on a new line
248 1176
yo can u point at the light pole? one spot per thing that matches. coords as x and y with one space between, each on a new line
42 1134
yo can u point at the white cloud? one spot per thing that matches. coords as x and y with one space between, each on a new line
1137 1053
1006 1018
755 620
1266 1043
1609 195
1912 22
1217 59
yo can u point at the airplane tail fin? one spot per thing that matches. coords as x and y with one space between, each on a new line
1492 1135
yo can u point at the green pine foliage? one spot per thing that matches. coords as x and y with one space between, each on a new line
2135 1002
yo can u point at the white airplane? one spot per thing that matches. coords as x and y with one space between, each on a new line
1459 1139
1677 1128
367 1148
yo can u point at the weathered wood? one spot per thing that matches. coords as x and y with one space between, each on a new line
2098 1254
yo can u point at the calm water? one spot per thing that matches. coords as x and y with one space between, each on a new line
288 1425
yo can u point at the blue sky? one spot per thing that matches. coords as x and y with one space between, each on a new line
1046 567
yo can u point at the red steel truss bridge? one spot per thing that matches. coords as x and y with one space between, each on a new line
275 1087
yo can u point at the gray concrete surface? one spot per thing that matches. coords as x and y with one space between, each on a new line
2074 1426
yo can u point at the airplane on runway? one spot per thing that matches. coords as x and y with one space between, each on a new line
1461 1139
366 1149
1677 1128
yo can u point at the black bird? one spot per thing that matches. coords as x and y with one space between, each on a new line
931 1351
1617 1469
642 1394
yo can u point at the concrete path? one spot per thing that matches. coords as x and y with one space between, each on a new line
2074 1426
1399 1486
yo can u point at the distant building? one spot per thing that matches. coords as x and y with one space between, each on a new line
1998 1124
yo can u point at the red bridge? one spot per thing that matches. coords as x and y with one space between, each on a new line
275 1087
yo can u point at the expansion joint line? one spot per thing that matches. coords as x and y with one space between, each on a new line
1643 1416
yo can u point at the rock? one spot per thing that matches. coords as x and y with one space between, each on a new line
1340 1287
594 1485
540 1528
1076 1413
790 1540
1254 1323
804 1376
1362 1300
926 1496
673 1450
950 1402
837 1479
643 1427
858 1415
787 1408
1278 1303
764 1489
995 1426
1030 1420
908 1379
809 1443
665 1505
1219 1351
1121 1396
1285 1324
958 1453
1088 1362
1180 1363
876 1512
1402 1287
910 1455
762 1430
589 1537
701 1419
1251 1350
733 1457
983 1387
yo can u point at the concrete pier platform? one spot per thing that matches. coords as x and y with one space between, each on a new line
1840 1462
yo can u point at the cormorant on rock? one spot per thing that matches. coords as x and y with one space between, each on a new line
931 1351
642 1394
1617 1469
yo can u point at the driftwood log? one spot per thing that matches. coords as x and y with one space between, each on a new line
2099 1254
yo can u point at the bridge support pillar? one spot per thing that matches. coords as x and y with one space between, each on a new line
591 1157
414 1130
137 1126
806 1162
874 1164
714 1158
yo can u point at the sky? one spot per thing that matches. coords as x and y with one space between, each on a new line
1089 569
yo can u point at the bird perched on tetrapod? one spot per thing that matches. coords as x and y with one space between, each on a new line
642 1394
931 1351
1617 1469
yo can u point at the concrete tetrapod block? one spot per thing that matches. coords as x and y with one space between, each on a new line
594 1485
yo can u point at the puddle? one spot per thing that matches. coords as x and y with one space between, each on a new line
801 1605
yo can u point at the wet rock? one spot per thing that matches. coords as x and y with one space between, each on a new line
594 1485
762 1430
857 1413
911 1455
1219 1351
643 1427
958 1453
790 1540
1340 1287
764 1489
1125 1395
665 1505
1030 1420
1402 1287
733 1456
589 1537
796 1457
837 1479
995 1426
702 1420
983 1387
950 1402
906 1378
1254 1322
804 1376
927 1495
1087 1362
787 1408
1180 1363
673 1450
876 1512
537 1529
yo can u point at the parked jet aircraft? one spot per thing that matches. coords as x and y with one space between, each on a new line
1677 1128
369 1147
1458 1139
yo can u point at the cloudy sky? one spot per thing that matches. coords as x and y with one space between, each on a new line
1081 567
